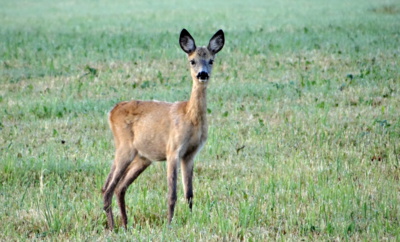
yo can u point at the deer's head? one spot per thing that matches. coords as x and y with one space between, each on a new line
201 59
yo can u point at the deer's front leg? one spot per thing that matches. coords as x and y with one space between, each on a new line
172 171
187 178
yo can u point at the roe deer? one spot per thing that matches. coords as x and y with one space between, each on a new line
146 131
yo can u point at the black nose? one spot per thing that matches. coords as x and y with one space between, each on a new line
202 75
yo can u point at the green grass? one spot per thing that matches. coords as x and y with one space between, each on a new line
304 136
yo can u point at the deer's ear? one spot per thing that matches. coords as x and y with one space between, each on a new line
187 42
216 42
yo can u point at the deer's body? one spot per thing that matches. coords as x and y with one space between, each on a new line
146 131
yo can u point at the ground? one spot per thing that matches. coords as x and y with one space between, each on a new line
303 108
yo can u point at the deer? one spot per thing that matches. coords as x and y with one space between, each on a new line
149 131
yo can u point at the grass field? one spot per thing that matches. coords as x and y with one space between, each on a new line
304 104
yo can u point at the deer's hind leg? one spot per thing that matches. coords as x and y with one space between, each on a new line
110 175
138 165
123 157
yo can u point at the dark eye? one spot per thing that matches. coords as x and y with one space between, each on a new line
211 62
192 62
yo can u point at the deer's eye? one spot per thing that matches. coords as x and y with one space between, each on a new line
211 62
192 62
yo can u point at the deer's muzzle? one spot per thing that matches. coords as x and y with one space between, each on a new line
203 76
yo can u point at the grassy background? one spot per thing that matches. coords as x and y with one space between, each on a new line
303 109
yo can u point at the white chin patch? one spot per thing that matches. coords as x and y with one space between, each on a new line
203 80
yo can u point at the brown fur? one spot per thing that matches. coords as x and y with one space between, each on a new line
146 131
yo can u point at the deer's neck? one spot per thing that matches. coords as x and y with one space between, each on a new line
197 104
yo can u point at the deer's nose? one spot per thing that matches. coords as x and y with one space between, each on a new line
203 75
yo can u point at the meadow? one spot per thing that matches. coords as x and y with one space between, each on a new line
303 111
